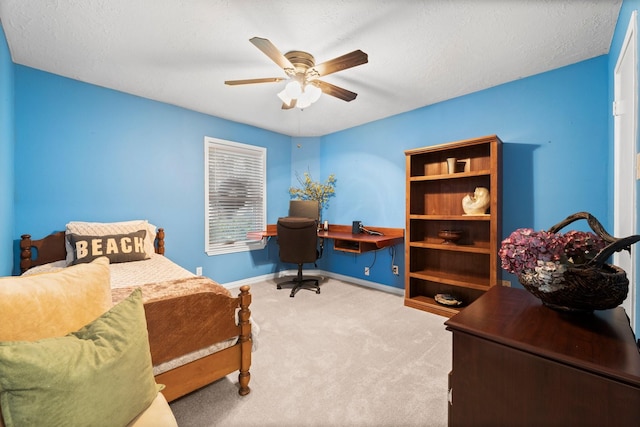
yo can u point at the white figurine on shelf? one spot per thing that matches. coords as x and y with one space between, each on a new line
476 203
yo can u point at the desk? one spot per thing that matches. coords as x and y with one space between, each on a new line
344 240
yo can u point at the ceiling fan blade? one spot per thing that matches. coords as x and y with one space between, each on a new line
353 59
251 81
272 52
338 92
286 106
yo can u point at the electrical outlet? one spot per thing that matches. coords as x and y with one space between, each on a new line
198 271
366 271
506 283
395 270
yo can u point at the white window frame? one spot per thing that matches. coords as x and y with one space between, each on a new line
254 172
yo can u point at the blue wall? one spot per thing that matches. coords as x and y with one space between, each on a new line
93 154
305 157
6 157
555 155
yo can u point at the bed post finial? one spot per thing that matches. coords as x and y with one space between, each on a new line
160 241
25 252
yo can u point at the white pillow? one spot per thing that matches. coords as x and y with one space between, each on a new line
110 228
46 268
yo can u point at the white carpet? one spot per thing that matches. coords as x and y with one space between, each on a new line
350 356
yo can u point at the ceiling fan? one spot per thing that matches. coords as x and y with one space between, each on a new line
300 67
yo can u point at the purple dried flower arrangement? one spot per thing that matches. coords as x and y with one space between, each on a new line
522 250
582 246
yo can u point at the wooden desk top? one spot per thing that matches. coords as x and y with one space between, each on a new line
602 341
390 236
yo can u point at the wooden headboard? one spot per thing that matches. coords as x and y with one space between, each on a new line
52 248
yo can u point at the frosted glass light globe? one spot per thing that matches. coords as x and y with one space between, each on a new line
313 91
303 101
284 97
293 89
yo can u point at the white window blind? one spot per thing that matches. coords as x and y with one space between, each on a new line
235 195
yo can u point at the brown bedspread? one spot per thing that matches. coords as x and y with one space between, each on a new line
171 289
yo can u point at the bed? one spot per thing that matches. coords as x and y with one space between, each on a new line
198 332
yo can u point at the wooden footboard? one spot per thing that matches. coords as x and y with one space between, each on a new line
206 319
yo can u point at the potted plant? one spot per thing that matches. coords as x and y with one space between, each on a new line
314 190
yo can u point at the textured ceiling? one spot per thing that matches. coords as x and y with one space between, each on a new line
420 52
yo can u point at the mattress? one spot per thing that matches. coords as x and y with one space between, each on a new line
157 268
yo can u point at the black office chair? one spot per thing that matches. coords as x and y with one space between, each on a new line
298 241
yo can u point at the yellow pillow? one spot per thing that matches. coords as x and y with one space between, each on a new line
53 304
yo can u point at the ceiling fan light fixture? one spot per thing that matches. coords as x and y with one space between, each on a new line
313 91
305 97
284 97
303 102
293 89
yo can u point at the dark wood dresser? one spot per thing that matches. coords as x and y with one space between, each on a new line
519 363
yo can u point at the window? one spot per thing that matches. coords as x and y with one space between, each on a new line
235 195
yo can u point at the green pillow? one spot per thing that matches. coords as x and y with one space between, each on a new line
100 375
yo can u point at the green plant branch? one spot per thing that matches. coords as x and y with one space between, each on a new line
314 190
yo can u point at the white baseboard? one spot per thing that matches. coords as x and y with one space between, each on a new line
321 273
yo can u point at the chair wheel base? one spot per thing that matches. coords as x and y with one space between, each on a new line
309 284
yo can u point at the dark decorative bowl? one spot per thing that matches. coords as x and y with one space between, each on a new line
582 288
450 237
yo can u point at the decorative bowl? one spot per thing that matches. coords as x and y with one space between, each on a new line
450 237
581 288
448 299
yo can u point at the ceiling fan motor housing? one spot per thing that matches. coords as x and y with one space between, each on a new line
302 61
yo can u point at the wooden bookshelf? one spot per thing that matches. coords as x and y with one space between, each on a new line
467 268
